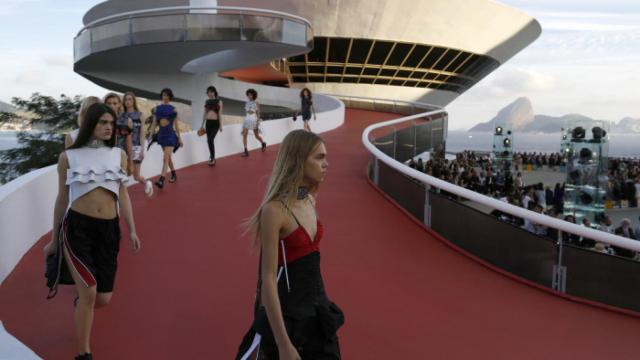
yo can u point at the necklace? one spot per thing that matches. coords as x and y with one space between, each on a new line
303 192
95 143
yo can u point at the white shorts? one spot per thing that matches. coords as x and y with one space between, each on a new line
249 123
137 152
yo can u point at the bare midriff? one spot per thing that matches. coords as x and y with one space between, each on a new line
99 203
212 115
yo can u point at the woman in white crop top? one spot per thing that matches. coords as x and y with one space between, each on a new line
91 192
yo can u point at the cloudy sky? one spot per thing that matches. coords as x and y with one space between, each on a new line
585 61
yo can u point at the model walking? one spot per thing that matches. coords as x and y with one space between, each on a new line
165 118
212 121
293 316
71 137
91 177
132 117
306 108
252 121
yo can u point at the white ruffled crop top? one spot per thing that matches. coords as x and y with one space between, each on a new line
90 168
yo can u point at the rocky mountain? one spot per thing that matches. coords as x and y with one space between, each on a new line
626 125
519 114
4 107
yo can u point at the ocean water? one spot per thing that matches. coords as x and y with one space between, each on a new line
620 145
8 139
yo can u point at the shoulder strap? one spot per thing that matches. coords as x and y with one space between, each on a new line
290 212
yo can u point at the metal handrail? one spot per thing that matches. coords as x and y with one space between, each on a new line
541 219
238 10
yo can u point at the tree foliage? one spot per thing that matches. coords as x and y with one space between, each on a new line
37 149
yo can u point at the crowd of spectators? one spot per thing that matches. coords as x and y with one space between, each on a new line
475 172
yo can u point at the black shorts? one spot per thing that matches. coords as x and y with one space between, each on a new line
93 246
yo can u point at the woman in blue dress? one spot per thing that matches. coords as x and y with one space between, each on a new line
165 118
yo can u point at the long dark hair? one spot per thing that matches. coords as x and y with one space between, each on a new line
94 113
213 90
302 93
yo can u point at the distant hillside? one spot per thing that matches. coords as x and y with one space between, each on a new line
4 107
519 114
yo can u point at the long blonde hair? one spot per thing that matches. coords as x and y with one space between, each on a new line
86 103
287 175
113 95
124 100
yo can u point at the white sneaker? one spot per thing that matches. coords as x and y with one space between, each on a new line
148 188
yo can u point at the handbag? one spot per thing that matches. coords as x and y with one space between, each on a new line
201 132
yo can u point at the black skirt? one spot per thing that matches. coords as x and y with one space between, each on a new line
311 319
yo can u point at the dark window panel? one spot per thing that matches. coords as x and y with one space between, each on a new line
387 72
446 59
458 61
433 85
334 69
469 64
416 55
396 82
403 73
353 70
410 83
359 51
338 50
417 75
382 82
298 69
432 57
370 71
431 76
316 78
299 58
333 79
349 79
449 88
316 69
380 51
423 84
300 79
399 53
457 80
319 49
366 80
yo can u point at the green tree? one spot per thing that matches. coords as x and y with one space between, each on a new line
40 148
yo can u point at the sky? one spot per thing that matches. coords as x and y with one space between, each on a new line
585 61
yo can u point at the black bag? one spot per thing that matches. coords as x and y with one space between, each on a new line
56 273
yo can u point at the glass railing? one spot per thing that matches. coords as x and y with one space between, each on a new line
185 23
547 251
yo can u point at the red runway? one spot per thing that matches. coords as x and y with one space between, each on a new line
189 293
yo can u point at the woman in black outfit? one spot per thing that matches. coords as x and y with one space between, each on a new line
212 118
293 316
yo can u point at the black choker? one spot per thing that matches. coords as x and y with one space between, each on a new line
303 192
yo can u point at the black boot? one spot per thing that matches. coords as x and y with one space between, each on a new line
173 177
160 182
264 146
86 356
245 153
